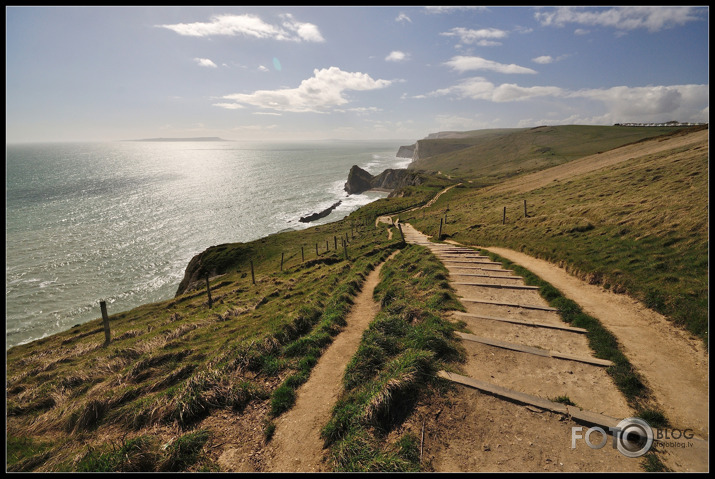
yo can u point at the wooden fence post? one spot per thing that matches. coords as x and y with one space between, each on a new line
208 291
439 236
503 220
399 225
105 321
253 276
327 245
345 248
335 242
316 250
525 215
282 260
302 254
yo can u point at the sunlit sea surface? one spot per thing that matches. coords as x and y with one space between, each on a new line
120 221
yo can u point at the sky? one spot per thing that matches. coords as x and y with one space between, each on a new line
353 73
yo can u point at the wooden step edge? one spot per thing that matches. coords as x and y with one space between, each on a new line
525 323
498 303
504 286
484 269
535 351
575 413
495 276
470 262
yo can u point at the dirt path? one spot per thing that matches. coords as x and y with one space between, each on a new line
674 364
436 197
479 432
296 445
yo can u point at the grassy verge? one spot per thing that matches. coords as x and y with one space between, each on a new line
394 366
172 364
640 227
603 343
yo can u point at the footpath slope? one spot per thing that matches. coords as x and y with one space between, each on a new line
296 445
479 431
673 363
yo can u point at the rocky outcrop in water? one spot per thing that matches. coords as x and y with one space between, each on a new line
322 214
360 180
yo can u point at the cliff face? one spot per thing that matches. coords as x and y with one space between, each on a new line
214 261
360 180
406 151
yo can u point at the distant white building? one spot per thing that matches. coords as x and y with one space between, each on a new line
667 123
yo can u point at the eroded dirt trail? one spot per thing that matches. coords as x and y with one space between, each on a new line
514 347
296 445
674 364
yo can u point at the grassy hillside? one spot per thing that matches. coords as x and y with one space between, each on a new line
75 405
492 155
640 227
180 378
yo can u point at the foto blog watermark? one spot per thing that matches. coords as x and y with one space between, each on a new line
633 437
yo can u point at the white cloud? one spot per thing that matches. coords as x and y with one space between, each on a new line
458 123
483 37
364 110
623 18
250 26
262 68
403 18
452 9
230 106
396 56
305 31
463 63
651 103
254 127
319 93
546 59
205 62
581 31
621 104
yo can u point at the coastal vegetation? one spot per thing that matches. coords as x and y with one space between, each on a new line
171 364
156 397
409 340
639 227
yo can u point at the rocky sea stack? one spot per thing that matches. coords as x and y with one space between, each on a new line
360 180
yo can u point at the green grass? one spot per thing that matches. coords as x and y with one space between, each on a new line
564 400
652 463
490 156
640 227
24 453
177 361
400 352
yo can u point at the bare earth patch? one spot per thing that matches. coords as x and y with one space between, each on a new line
673 363
296 445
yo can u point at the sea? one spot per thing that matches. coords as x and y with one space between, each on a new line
120 221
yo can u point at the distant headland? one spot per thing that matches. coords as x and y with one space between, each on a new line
200 138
